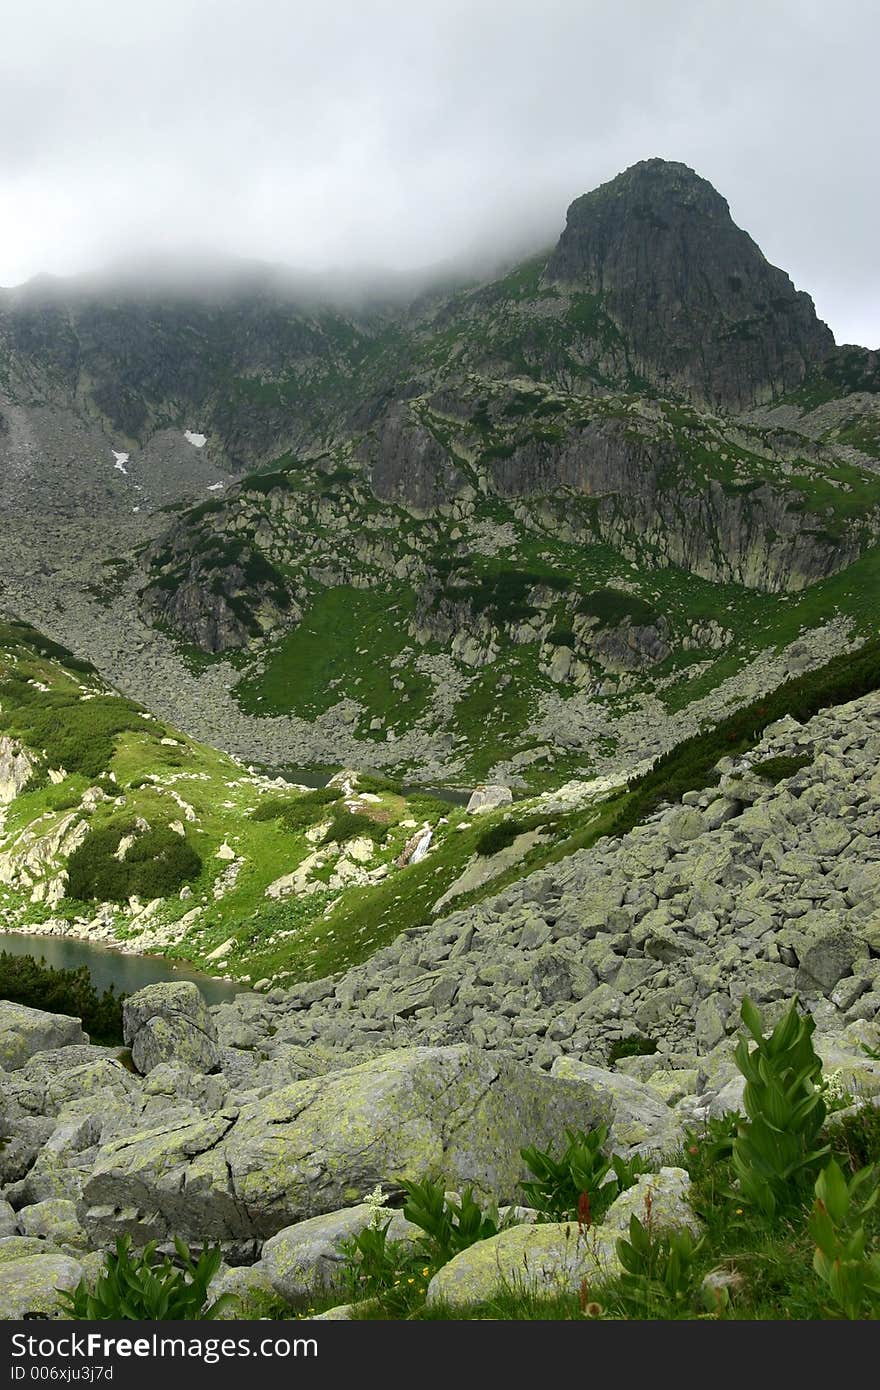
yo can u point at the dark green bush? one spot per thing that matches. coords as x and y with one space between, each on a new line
631 1047
297 813
498 837
62 798
78 735
505 592
613 606
775 769
351 825
377 784
156 865
691 764
24 980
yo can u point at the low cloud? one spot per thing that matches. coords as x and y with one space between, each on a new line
376 133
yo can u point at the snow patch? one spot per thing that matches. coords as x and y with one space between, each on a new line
199 440
121 460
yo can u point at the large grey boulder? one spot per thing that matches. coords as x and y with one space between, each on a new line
659 1200
253 1294
8 1219
641 1122
23 1141
55 1220
488 798
452 1114
24 1031
546 1259
557 1257
306 1258
826 959
170 1023
31 1279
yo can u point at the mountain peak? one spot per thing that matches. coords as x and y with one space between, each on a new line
692 292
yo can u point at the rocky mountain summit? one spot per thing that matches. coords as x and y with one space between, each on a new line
693 294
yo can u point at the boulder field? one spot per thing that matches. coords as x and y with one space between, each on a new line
263 1123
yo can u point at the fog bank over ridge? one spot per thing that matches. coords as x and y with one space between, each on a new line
378 135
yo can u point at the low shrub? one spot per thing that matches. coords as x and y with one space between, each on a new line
775 769
297 813
631 1047
78 735
354 825
498 837
377 784
691 764
156 865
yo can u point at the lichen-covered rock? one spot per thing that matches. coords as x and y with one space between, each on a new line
8 1219
452 1114
488 798
551 1258
178 1082
54 1219
341 1313
25 1137
659 1200
253 1293
105 1076
170 1023
827 958
557 1257
31 1281
166 1180
641 1121
306 1258
24 1031
15 768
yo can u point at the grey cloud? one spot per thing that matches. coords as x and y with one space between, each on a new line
387 132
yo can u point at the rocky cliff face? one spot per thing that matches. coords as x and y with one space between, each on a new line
752 533
697 301
15 768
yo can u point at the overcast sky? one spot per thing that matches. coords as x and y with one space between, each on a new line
406 132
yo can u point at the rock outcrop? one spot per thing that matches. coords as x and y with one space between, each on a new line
693 295
25 1031
16 767
170 1023
311 1147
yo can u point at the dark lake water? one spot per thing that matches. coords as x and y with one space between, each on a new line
107 967
310 777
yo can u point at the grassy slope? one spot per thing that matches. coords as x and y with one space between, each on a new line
310 935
